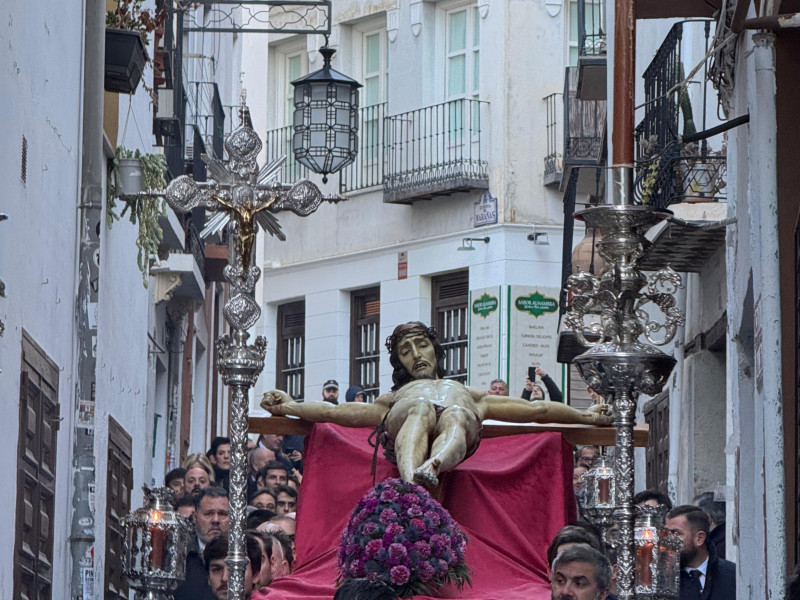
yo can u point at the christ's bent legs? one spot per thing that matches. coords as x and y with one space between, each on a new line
416 422
455 431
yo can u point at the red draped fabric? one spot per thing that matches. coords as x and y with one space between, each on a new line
510 498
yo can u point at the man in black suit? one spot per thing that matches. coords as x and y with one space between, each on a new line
704 576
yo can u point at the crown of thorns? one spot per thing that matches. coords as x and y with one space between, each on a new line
395 338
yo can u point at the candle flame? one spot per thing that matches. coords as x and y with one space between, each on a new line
155 516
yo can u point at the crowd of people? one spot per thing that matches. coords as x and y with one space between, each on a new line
582 565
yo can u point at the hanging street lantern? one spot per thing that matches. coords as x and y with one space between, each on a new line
598 504
325 118
156 543
657 571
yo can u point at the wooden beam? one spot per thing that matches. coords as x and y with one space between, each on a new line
574 434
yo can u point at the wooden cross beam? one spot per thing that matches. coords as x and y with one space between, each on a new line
574 434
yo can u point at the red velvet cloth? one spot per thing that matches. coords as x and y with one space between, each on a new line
510 498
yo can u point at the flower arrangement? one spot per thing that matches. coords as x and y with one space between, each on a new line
400 535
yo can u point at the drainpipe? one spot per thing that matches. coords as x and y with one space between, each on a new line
763 206
93 172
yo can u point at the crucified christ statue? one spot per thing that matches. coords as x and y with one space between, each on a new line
427 424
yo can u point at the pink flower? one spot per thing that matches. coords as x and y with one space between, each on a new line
418 524
414 511
372 576
399 575
394 529
369 528
409 499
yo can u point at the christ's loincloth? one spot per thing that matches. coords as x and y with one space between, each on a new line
385 439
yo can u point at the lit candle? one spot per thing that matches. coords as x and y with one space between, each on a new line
158 538
604 491
644 558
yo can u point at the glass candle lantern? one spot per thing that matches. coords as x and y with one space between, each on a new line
156 543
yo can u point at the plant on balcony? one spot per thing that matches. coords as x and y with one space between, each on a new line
127 27
145 209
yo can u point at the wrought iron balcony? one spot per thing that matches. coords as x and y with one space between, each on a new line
668 170
555 140
278 142
436 150
592 62
584 130
367 169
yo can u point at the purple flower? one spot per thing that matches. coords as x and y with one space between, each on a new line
388 515
369 528
426 572
399 575
394 529
397 553
409 499
372 576
433 517
439 542
423 548
389 495
373 547
441 568
418 524
414 511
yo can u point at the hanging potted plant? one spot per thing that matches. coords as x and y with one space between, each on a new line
129 174
127 27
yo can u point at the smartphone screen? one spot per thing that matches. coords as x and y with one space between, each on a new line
532 373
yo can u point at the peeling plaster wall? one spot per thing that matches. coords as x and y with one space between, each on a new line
41 101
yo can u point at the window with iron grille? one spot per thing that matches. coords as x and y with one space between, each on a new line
656 415
36 473
118 504
291 349
365 343
449 318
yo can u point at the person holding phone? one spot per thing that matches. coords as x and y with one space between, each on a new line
534 391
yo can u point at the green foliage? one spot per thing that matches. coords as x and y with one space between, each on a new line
143 210
650 182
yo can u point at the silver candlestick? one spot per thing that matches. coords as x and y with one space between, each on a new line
615 306
242 198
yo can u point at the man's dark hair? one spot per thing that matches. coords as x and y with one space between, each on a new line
258 492
266 538
400 376
218 548
216 443
212 491
571 534
184 500
178 473
585 554
654 494
714 508
695 516
257 517
287 490
364 589
286 545
274 465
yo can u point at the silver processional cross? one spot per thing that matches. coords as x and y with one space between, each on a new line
242 197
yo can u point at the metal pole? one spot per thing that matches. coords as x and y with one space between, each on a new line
624 418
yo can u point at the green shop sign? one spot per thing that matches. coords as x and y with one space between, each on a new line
536 304
485 305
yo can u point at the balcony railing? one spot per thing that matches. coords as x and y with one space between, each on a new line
555 139
279 143
592 27
367 169
584 124
435 150
668 170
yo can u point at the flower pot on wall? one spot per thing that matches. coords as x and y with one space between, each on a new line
125 60
131 176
